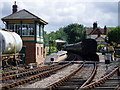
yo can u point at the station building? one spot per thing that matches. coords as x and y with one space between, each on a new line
31 29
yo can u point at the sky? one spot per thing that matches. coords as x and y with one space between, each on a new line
60 13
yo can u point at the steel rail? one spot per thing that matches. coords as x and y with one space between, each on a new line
59 82
29 71
41 75
101 81
35 71
91 76
14 72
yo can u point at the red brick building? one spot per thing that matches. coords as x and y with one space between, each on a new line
97 33
31 29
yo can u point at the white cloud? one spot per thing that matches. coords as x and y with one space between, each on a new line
60 13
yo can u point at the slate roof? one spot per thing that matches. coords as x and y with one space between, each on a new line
100 39
23 14
90 31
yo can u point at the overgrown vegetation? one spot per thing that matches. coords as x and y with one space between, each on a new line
72 33
114 34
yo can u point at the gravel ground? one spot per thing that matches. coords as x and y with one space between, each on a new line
45 82
85 72
104 69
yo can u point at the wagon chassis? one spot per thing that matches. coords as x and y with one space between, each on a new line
16 58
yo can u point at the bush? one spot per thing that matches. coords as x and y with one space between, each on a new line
99 47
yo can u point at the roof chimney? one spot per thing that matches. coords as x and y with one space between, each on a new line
105 30
94 25
14 7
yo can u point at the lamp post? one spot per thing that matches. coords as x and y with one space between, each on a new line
107 54
50 45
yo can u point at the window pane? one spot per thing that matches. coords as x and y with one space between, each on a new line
37 28
15 27
28 29
31 29
11 26
41 31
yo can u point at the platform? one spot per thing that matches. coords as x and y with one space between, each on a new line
54 57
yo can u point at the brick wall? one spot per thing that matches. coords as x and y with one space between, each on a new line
34 53
30 52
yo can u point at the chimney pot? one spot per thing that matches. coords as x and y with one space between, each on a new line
14 7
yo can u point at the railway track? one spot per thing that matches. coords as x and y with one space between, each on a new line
71 57
109 82
79 78
7 82
25 70
28 73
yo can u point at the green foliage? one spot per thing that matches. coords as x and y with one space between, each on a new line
100 46
46 38
75 33
114 34
53 49
1 71
60 34
72 33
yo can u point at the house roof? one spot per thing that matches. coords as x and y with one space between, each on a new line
96 31
90 31
100 39
23 14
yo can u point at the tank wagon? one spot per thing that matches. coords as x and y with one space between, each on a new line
11 44
86 49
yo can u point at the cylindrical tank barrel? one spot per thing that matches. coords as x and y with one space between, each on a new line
11 42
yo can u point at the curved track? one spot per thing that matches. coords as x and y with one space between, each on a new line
24 77
76 79
109 82
17 74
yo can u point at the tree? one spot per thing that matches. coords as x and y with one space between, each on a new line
60 34
46 38
72 33
75 33
114 34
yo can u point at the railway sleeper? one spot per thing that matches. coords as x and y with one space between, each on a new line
6 87
113 80
16 84
77 80
73 87
72 83
27 70
32 78
109 85
106 88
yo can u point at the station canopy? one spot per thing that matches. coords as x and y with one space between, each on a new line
60 41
